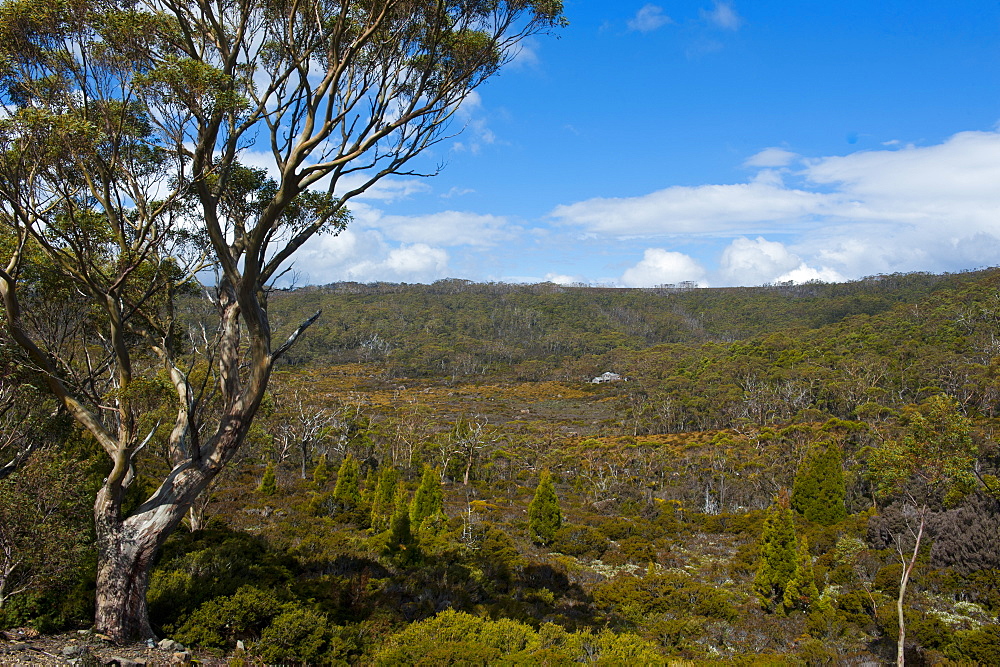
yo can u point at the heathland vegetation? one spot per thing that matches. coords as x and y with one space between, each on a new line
789 473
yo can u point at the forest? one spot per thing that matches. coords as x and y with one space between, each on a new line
786 474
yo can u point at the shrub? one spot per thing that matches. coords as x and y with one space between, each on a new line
968 538
297 634
44 528
347 490
454 636
981 646
801 591
497 556
196 567
400 544
776 565
544 517
383 499
676 594
579 541
268 483
818 492
428 499
220 622
321 473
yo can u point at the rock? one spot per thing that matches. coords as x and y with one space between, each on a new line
85 659
73 650
181 658
170 645
20 634
115 661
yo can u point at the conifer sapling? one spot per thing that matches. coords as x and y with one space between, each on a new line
544 516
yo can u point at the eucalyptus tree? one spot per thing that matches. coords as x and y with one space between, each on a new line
124 140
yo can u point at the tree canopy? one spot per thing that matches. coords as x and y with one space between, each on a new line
128 137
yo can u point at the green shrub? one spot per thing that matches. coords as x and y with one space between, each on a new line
197 567
544 517
818 492
496 555
428 499
268 483
400 545
981 646
297 634
637 599
321 473
220 622
454 636
383 499
801 591
579 541
347 490
776 565
610 648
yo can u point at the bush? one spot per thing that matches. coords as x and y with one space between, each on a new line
637 599
579 541
458 638
197 567
44 536
981 646
454 636
269 482
818 492
544 517
220 622
297 633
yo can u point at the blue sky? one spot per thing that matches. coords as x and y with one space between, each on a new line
724 143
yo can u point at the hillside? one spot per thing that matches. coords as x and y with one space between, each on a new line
731 502
461 328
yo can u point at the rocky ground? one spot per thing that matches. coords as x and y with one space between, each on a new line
24 646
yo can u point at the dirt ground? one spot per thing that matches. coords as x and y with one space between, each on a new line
24 646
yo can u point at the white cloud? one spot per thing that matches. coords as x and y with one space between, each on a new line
561 279
526 54
931 208
705 209
476 129
449 228
804 274
660 267
756 262
771 157
722 15
365 256
649 18
952 183
418 260
456 191
386 190
746 262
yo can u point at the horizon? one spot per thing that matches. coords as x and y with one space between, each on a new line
682 286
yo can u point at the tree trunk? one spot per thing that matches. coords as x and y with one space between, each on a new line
903 581
122 577
196 516
125 552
